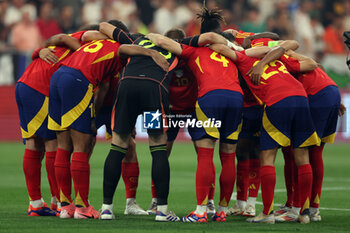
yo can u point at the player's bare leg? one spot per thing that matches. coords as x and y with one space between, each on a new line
130 174
50 156
268 182
80 170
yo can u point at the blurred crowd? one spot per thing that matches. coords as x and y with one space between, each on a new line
317 24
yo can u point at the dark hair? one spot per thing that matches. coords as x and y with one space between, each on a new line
175 33
89 27
119 24
228 36
210 19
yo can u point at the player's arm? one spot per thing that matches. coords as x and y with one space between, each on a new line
273 54
46 54
115 33
224 50
165 43
93 35
306 63
63 39
126 51
248 40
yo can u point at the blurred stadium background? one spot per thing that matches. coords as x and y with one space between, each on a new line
24 25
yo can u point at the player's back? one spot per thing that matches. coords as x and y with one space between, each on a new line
143 67
38 73
183 89
97 60
315 80
276 83
212 70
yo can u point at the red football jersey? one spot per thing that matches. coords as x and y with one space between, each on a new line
249 99
183 90
261 42
97 60
213 71
313 81
241 35
275 83
38 73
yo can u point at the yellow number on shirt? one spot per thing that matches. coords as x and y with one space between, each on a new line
94 47
221 59
91 106
265 75
150 44
181 82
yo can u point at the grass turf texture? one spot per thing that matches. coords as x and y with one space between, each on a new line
14 199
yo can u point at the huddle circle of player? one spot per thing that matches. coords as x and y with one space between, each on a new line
264 94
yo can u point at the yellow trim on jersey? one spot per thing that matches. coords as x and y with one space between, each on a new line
259 44
274 133
53 125
329 138
69 117
312 140
64 54
199 65
105 57
234 135
37 120
212 131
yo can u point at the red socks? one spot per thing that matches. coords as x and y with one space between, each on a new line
32 173
288 173
316 162
227 177
50 157
205 174
268 182
242 180
254 177
305 185
212 187
80 170
63 175
130 174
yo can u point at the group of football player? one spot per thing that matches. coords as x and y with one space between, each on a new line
265 96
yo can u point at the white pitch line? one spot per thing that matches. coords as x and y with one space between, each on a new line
321 208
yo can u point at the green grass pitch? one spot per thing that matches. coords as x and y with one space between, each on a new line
14 199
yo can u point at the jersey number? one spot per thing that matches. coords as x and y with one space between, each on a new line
268 75
181 82
214 56
149 44
94 46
